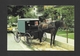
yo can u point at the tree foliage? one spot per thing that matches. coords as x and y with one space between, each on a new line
21 11
40 8
68 14
16 10
65 12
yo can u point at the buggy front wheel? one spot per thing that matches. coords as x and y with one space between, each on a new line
17 37
28 38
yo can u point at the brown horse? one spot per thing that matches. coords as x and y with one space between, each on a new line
51 28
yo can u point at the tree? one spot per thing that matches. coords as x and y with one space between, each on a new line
68 14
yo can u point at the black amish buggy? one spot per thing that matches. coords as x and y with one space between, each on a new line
28 27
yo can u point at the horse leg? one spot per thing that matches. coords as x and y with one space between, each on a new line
54 40
40 35
40 40
51 40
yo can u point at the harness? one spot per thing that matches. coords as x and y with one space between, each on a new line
44 25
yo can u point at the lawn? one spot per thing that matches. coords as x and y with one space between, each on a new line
64 34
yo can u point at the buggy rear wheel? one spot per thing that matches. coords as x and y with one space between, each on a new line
44 37
28 38
17 37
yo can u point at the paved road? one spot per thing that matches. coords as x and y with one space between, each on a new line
12 45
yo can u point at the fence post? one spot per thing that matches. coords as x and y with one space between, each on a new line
67 34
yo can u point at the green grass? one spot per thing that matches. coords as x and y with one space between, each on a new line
64 34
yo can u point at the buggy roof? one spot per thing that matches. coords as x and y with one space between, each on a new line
28 19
